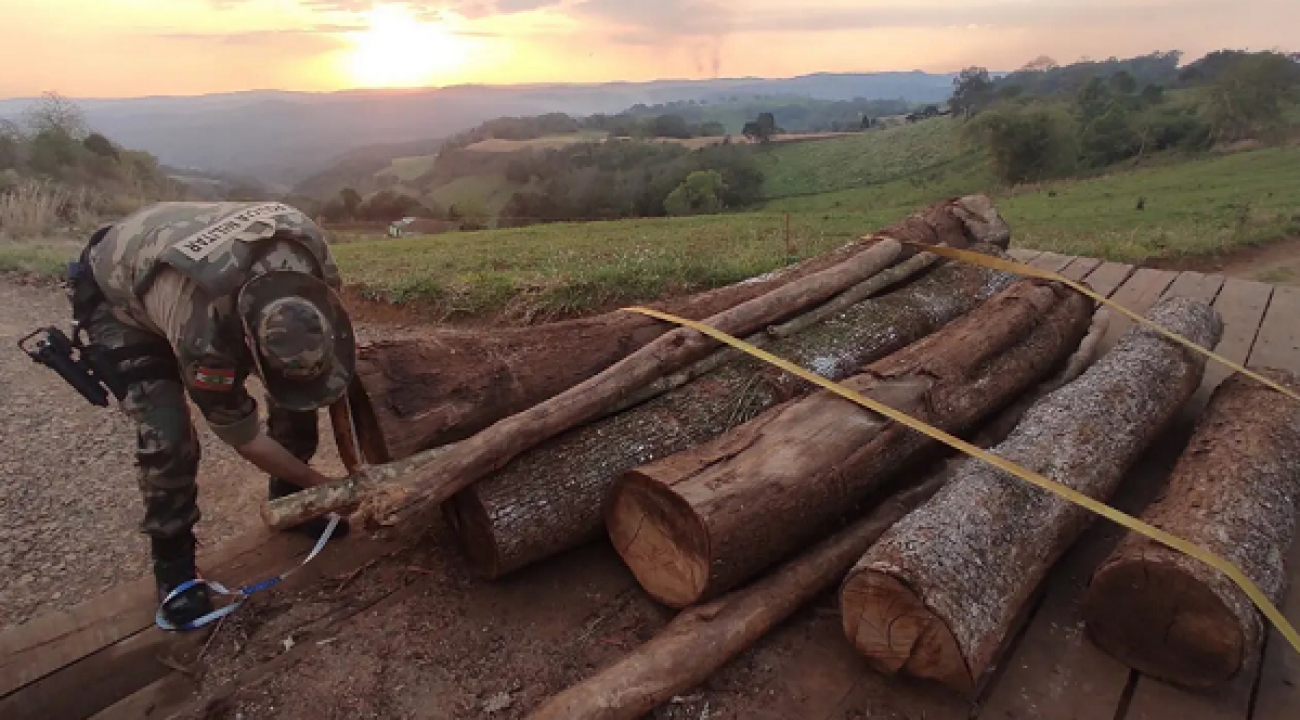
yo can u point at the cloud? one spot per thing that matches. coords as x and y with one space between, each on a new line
672 18
427 9
318 37
698 27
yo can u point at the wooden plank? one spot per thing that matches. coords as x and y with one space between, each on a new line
1242 305
1154 700
1139 293
1277 696
1080 268
101 678
47 643
1278 346
1108 276
1196 286
1024 255
98 681
154 701
1052 261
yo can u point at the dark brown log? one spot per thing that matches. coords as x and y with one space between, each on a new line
1234 492
704 638
938 595
550 498
697 524
450 384
434 476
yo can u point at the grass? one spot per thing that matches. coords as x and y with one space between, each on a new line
486 193
550 142
1200 207
560 270
862 159
409 169
45 258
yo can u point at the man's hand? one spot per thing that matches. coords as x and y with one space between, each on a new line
271 457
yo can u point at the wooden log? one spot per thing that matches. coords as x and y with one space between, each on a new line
550 499
434 476
938 595
703 639
449 384
1234 492
875 285
698 523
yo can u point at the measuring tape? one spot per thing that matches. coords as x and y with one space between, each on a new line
1042 482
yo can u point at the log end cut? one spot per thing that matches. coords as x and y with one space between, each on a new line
467 516
1157 618
889 624
660 538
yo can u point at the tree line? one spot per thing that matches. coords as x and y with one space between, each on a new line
53 143
1046 120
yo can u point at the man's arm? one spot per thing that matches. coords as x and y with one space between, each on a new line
218 389
272 458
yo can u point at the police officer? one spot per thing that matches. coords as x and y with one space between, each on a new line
192 299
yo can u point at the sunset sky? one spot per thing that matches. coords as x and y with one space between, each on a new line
147 47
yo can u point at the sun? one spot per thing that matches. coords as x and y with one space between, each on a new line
399 50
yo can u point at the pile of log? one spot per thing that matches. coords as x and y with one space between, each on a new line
435 475
550 499
938 596
699 523
418 403
739 493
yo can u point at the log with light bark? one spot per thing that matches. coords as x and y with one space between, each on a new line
550 499
938 596
1234 492
449 384
703 639
698 523
433 477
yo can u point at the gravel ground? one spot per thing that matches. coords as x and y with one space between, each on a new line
69 504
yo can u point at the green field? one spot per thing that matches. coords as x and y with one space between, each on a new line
475 193
409 169
1204 206
561 270
801 168
1200 206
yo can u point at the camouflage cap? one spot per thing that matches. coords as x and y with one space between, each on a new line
301 338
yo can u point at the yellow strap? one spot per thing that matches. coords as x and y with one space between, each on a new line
996 263
1237 576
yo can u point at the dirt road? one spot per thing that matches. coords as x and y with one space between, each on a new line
68 494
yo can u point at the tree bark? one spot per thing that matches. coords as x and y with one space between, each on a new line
938 595
1234 492
699 523
550 499
451 384
435 477
702 639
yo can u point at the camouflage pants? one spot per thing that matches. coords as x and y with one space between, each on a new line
167 447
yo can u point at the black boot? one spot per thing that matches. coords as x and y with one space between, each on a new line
313 528
173 566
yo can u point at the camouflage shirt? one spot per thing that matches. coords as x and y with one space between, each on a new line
174 269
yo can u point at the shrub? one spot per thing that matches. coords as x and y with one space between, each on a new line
1026 144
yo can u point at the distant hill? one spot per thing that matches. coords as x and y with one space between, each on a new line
284 137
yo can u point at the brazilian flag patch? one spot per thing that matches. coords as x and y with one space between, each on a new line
214 379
